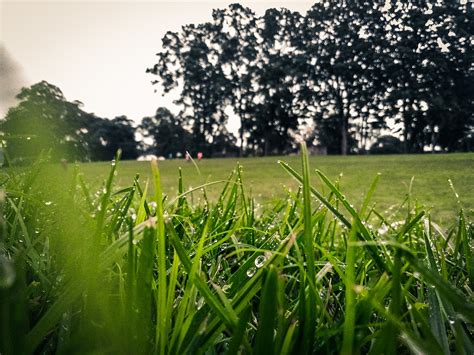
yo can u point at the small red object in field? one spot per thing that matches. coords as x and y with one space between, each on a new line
199 156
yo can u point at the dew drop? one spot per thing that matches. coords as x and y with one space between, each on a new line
251 271
224 246
260 260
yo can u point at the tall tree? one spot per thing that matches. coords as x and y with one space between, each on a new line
104 137
234 35
342 41
44 121
188 60
429 72
167 134
275 115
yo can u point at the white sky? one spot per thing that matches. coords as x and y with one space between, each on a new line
97 52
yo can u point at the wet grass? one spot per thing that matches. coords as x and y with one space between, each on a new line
132 267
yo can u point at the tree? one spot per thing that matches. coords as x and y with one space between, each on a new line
342 45
429 72
167 133
236 62
275 115
44 121
170 136
104 137
328 134
188 59
234 35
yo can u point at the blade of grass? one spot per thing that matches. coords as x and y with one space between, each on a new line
310 321
161 333
350 303
268 314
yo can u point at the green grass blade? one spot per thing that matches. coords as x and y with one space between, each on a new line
239 334
319 196
268 311
369 195
310 321
105 198
161 249
350 302
141 213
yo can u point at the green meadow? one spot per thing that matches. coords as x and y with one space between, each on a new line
95 259
266 181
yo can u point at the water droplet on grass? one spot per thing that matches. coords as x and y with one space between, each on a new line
260 261
224 246
251 271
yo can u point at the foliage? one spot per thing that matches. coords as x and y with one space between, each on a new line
341 41
44 121
116 271
105 137
429 73
364 66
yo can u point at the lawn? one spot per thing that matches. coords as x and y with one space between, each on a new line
266 181
115 272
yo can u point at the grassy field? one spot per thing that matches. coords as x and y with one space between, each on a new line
114 270
267 181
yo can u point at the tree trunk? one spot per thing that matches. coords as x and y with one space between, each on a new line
344 124
405 130
266 146
241 132
344 128
344 136
433 140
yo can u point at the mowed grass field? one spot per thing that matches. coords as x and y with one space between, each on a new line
266 181
98 268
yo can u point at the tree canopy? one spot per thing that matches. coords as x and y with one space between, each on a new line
355 69
350 76
44 121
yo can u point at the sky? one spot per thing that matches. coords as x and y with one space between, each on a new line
98 52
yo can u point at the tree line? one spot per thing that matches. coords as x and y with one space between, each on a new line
349 76
45 121
350 71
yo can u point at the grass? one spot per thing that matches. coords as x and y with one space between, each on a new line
266 182
124 269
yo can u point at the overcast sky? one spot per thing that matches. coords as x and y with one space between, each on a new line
97 52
